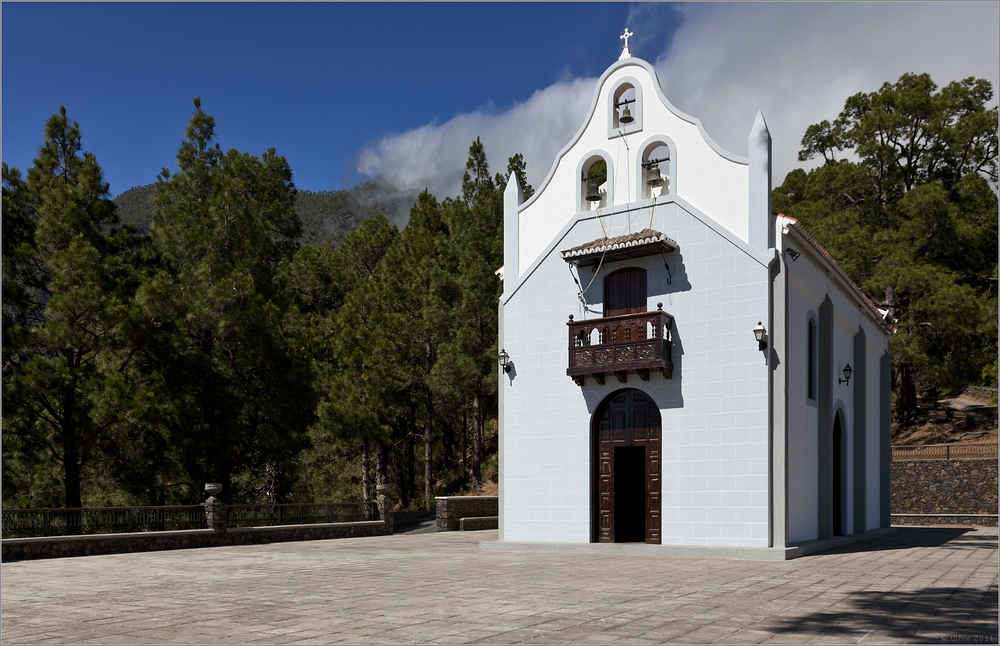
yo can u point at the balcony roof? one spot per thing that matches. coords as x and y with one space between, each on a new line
633 245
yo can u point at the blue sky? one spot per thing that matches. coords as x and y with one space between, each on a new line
349 91
316 81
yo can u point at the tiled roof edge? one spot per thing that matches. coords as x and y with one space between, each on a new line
646 236
796 226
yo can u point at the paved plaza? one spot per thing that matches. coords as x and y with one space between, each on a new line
919 585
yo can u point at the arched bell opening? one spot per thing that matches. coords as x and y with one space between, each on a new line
626 463
656 165
595 183
625 108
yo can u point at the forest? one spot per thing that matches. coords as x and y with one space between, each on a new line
222 326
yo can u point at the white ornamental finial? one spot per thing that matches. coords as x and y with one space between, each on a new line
625 52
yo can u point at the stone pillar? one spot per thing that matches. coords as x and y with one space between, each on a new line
215 509
384 506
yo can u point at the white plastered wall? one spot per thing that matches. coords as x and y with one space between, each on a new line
806 290
810 281
714 408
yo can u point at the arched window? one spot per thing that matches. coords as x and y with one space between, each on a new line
811 359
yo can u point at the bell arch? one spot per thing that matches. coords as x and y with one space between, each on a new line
657 172
626 94
626 460
596 186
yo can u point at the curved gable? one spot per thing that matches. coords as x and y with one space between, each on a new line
700 171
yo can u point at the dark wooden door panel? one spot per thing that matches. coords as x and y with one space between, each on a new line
629 418
625 291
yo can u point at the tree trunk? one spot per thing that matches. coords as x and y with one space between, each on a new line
271 472
906 394
477 439
70 449
428 425
381 464
465 439
364 470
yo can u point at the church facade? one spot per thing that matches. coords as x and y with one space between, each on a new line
683 369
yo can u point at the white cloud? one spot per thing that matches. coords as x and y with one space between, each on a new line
796 62
434 156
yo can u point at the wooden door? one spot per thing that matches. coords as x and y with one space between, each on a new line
626 422
625 291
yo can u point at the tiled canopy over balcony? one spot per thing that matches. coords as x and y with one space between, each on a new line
633 245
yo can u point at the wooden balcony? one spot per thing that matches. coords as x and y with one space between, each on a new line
617 345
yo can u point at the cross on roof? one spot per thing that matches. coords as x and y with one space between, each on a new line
625 51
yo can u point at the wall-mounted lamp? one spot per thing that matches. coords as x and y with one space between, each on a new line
848 371
793 253
760 333
504 360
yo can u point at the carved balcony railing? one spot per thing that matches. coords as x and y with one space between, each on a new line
617 345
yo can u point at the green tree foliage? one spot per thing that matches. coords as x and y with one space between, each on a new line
65 286
238 383
910 211
351 353
228 345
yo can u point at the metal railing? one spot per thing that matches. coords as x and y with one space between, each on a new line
300 514
976 451
23 523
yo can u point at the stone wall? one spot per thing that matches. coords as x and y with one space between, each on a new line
944 487
17 549
478 523
451 509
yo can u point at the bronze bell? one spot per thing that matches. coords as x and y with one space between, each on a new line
626 116
593 195
653 177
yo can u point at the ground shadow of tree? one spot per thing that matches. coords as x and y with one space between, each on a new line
932 615
911 537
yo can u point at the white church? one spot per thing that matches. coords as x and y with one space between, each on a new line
684 372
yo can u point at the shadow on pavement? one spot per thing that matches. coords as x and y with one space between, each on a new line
414 522
910 537
931 615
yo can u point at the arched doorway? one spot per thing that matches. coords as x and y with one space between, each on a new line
626 459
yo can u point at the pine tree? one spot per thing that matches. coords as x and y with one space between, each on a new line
68 288
237 382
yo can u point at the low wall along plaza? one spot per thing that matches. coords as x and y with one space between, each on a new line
482 512
952 492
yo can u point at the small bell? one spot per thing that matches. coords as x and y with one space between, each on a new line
593 195
626 116
653 177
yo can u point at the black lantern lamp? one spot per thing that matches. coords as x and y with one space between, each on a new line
848 371
504 360
760 333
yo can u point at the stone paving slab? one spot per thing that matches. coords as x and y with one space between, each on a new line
920 585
